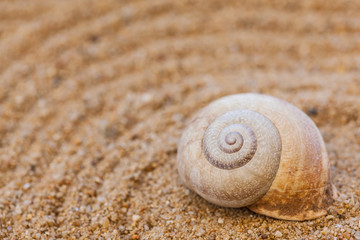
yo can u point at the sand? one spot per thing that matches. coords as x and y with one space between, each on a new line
94 96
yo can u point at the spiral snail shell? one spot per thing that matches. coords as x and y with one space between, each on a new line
257 151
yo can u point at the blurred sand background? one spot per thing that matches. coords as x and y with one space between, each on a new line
94 96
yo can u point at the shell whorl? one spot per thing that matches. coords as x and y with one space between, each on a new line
230 141
240 155
238 158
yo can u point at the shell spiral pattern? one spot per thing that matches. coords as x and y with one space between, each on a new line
239 148
231 139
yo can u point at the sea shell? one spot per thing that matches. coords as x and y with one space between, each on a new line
257 151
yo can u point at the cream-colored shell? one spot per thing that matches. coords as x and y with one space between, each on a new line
257 151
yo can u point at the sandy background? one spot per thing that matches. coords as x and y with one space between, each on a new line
94 96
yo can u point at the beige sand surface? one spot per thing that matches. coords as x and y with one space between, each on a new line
94 96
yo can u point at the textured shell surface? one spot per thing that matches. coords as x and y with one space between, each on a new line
257 151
